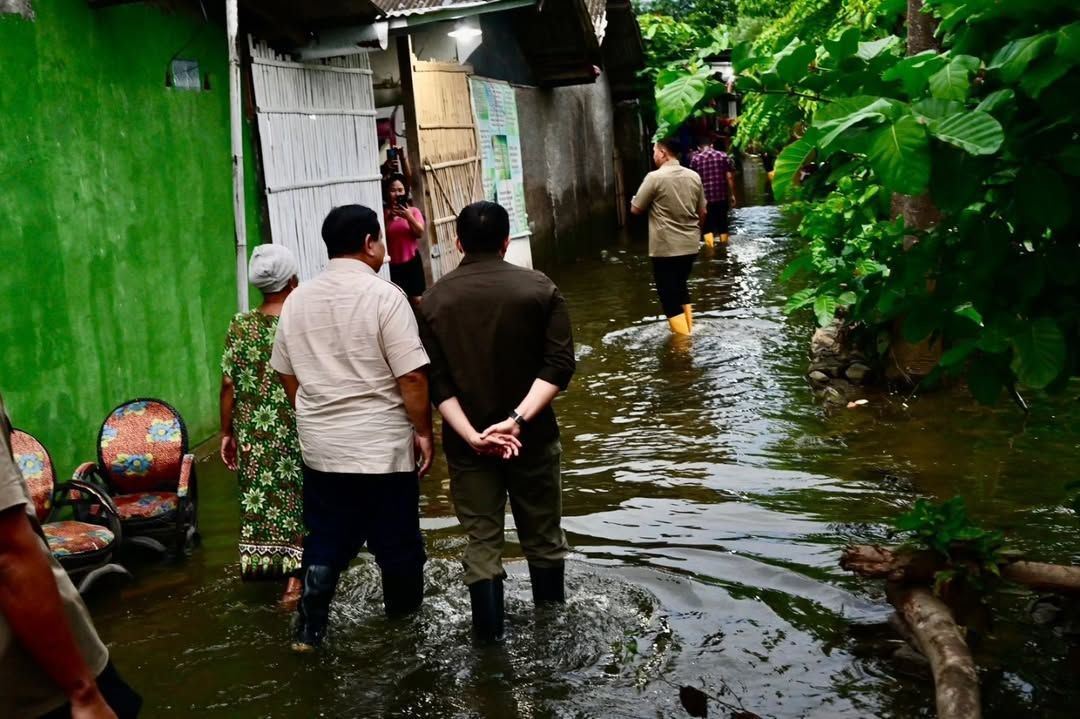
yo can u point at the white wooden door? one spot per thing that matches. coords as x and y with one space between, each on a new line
319 146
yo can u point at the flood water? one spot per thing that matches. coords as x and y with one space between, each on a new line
707 496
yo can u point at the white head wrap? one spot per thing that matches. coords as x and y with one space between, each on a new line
271 267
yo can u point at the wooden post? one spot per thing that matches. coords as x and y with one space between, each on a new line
232 22
412 138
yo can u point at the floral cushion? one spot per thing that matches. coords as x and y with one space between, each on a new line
67 538
141 446
146 505
36 467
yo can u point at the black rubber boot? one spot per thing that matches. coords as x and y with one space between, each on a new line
500 614
403 592
320 583
547 584
486 597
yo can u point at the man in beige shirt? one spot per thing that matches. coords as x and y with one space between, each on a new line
52 663
349 353
674 198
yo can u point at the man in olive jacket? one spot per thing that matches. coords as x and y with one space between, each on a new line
501 349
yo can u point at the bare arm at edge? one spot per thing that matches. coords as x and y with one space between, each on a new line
414 391
292 385
30 602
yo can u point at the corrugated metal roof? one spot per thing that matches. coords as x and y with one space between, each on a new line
404 8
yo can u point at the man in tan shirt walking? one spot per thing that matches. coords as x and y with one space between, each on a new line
349 354
674 199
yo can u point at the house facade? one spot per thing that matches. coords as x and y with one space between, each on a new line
118 238
117 171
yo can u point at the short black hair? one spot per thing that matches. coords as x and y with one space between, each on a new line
670 144
483 227
346 227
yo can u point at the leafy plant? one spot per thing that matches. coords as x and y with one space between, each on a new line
972 552
942 527
981 130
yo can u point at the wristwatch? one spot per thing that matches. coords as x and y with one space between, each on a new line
517 418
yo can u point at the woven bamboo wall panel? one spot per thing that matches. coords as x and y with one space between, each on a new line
319 145
449 153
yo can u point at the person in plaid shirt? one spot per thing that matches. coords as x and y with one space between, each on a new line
718 177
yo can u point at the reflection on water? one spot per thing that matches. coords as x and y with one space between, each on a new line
707 496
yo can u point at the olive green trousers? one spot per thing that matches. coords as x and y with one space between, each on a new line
479 488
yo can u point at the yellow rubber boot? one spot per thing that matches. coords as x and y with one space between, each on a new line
723 238
679 325
710 239
688 313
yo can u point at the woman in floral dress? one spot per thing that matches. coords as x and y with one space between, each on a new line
259 431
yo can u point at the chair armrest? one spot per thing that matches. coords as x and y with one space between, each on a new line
90 502
187 470
75 485
90 473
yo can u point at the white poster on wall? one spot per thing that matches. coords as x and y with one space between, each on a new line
495 111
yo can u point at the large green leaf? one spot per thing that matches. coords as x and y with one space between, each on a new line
931 108
968 311
900 156
1068 44
977 133
666 77
950 179
844 46
676 101
1038 352
803 262
1043 74
790 161
869 50
920 322
833 129
793 62
837 110
996 99
1013 59
914 72
953 82
825 310
957 354
800 299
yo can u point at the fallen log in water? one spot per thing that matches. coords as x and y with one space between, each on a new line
938 637
1047 577
919 567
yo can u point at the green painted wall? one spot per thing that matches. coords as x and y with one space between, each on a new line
117 238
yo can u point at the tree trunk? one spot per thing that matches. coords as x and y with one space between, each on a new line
920 29
956 683
914 361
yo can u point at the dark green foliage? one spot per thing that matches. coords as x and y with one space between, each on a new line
988 127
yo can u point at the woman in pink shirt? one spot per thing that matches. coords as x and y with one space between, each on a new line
404 226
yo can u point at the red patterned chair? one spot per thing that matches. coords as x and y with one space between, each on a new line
79 520
144 463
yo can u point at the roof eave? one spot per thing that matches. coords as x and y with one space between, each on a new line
401 24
